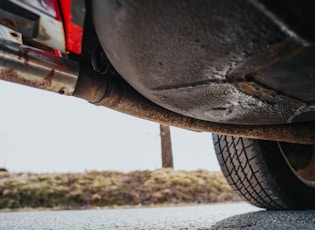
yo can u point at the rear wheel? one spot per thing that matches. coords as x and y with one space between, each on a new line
268 174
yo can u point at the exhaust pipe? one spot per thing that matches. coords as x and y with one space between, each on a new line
36 68
114 93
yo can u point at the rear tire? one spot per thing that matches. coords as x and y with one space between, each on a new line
262 175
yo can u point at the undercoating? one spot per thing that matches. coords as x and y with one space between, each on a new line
220 61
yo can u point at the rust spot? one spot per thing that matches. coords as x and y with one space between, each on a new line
248 87
43 35
116 100
8 22
49 77
12 76
23 53
31 42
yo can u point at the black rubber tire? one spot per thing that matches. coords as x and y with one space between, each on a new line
258 172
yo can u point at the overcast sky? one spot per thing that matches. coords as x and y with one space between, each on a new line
46 132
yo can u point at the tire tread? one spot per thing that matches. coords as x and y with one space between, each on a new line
246 172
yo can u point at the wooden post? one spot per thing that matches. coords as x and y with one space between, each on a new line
166 146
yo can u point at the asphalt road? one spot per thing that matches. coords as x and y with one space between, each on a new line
221 216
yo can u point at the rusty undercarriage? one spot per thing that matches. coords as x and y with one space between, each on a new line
248 74
243 70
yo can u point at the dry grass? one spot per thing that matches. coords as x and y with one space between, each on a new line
110 188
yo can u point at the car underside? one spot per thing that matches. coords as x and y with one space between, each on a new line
244 70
